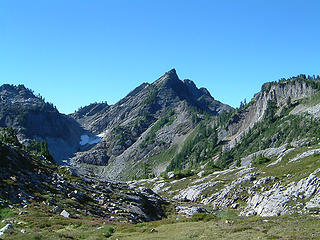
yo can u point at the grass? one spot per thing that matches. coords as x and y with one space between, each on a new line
289 227
40 224
299 169
5 213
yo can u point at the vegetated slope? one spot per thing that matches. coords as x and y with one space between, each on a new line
282 93
150 120
271 170
33 118
262 159
281 113
271 119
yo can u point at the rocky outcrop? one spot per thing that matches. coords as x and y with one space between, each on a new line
305 154
279 153
230 193
189 211
193 192
5 229
33 118
275 202
31 177
279 93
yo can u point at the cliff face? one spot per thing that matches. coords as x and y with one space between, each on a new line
280 94
33 118
148 120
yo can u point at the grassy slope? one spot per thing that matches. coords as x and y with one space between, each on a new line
293 227
39 224
222 225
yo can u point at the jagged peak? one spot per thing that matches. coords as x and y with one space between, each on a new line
11 91
170 76
172 73
14 88
205 91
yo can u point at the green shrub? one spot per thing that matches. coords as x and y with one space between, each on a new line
202 217
9 136
178 174
6 213
260 159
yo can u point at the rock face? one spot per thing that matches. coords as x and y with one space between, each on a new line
33 118
275 202
193 192
255 111
150 119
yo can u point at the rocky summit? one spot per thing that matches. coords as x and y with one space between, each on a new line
34 118
168 161
150 120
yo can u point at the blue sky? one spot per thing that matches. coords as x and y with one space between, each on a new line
74 52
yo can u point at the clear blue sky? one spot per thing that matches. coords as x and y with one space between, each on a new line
74 52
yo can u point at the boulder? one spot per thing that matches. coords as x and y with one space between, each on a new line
194 192
189 211
65 214
5 228
171 175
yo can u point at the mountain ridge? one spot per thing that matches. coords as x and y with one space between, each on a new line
182 163
138 113
150 120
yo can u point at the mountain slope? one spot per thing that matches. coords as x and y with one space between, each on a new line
29 180
284 112
33 118
278 93
149 120
274 117
231 167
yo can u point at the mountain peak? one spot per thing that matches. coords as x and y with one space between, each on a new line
172 73
9 92
170 76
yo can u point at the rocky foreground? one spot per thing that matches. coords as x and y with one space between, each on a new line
290 183
29 179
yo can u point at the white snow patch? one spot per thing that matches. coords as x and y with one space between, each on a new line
85 139
101 135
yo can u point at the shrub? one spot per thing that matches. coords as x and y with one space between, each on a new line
178 174
202 217
260 160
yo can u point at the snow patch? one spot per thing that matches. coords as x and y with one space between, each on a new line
85 139
102 135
